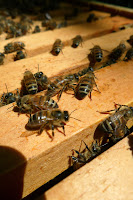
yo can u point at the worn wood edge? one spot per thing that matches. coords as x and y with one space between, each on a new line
109 176
43 156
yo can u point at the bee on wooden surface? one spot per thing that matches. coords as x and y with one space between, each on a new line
49 24
7 98
85 86
117 52
92 17
20 55
30 82
115 124
48 118
130 40
32 103
77 41
87 154
57 47
42 81
129 55
13 46
36 29
2 56
61 84
62 24
96 55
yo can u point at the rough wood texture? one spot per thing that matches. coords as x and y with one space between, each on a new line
39 159
109 176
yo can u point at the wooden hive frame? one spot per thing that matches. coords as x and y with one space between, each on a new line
36 160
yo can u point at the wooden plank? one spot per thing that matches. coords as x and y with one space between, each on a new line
52 65
45 159
109 176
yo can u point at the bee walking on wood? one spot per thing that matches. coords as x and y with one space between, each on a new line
48 119
7 98
115 124
130 40
129 55
2 56
62 84
85 85
96 55
36 29
30 82
32 103
20 55
57 47
13 46
77 41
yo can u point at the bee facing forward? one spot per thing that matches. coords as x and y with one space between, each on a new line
57 47
30 82
85 85
42 81
115 125
20 55
77 41
48 118
32 103
13 46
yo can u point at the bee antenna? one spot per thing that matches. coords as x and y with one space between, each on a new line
10 107
73 111
76 119
6 87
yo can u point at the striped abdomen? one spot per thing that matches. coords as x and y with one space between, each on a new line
85 86
97 54
57 47
43 102
30 83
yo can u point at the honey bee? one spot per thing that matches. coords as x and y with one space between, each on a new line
48 118
36 29
57 47
76 41
49 24
61 84
129 55
85 85
32 103
130 40
30 82
96 55
115 124
88 154
13 46
42 81
20 55
117 52
7 98
62 24
2 56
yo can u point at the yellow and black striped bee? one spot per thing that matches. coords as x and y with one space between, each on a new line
129 55
30 82
32 103
42 81
77 41
57 47
96 55
85 85
130 40
115 124
48 119
62 83
36 29
13 46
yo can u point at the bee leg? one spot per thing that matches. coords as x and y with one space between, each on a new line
62 124
97 88
86 146
60 92
52 126
90 96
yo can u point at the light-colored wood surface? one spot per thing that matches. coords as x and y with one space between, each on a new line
107 177
45 159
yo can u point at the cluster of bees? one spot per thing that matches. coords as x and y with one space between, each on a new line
44 111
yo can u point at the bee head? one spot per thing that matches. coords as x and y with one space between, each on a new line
66 115
39 74
19 102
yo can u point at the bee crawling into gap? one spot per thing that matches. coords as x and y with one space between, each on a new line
57 47
115 124
87 154
77 41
